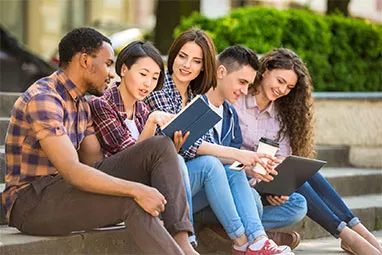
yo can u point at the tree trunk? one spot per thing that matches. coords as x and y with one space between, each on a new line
168 14
338 5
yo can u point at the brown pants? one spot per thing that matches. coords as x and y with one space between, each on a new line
51 206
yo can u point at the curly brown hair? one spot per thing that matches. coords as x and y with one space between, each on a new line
295 110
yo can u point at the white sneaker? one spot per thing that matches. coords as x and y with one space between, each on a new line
268 248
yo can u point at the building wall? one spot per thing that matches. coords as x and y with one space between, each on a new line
41 23
44 22
43 28
12 22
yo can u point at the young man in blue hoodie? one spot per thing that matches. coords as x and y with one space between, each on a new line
237 66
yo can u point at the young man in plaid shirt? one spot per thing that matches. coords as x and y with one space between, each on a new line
57 179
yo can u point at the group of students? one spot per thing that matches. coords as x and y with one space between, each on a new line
77 164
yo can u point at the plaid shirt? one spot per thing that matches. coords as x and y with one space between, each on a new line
169 100
109 117
53 106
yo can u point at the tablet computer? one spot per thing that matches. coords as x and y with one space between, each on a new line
292 173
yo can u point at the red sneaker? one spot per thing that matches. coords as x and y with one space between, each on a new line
236 252
270 248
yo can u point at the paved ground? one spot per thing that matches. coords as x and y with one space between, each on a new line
323 246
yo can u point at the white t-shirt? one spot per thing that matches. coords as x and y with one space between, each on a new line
132 127
218 126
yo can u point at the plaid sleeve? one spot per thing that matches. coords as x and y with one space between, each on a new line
191 152
112 135
90 127
160 101
144 112
45 114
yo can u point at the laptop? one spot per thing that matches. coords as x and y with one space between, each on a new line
292 173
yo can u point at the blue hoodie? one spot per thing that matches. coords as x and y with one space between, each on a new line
231 132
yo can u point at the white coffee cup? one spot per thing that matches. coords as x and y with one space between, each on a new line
266 146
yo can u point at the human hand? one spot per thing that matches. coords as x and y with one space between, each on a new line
267 162
276 200
160 118
179 139
264 177
246 157
150 199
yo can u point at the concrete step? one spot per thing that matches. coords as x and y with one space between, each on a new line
4 122
335 155
7 100
117 241
346 181
368 208
354 181
327 245
92 242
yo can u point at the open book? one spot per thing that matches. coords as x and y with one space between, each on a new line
197 117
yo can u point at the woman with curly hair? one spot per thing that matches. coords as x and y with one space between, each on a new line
279 105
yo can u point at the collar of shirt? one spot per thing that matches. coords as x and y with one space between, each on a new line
113 96
72 89
251 103
169 86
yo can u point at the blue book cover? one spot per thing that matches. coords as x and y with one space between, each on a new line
197 117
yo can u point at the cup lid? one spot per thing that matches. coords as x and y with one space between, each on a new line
269 141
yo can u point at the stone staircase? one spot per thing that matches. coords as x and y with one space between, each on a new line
360 188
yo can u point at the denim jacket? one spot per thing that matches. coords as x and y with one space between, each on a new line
231 132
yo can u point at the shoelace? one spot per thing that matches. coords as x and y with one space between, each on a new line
270 245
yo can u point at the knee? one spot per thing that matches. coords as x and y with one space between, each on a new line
236 176
300 206
159 146
159 143
212 165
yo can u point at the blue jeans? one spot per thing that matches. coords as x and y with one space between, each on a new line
289 213
187 187
325 206
229 195
272 217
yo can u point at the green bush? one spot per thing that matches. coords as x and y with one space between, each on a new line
342 54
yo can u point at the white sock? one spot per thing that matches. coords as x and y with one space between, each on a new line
244 247
258 244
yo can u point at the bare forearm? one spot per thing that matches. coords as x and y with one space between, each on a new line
95 181
148 131
90 151
64 157
222 152
226 161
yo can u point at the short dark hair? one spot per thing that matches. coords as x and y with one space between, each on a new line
207 77
84 39
136 50
235 57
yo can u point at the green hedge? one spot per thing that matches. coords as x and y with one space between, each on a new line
342 54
